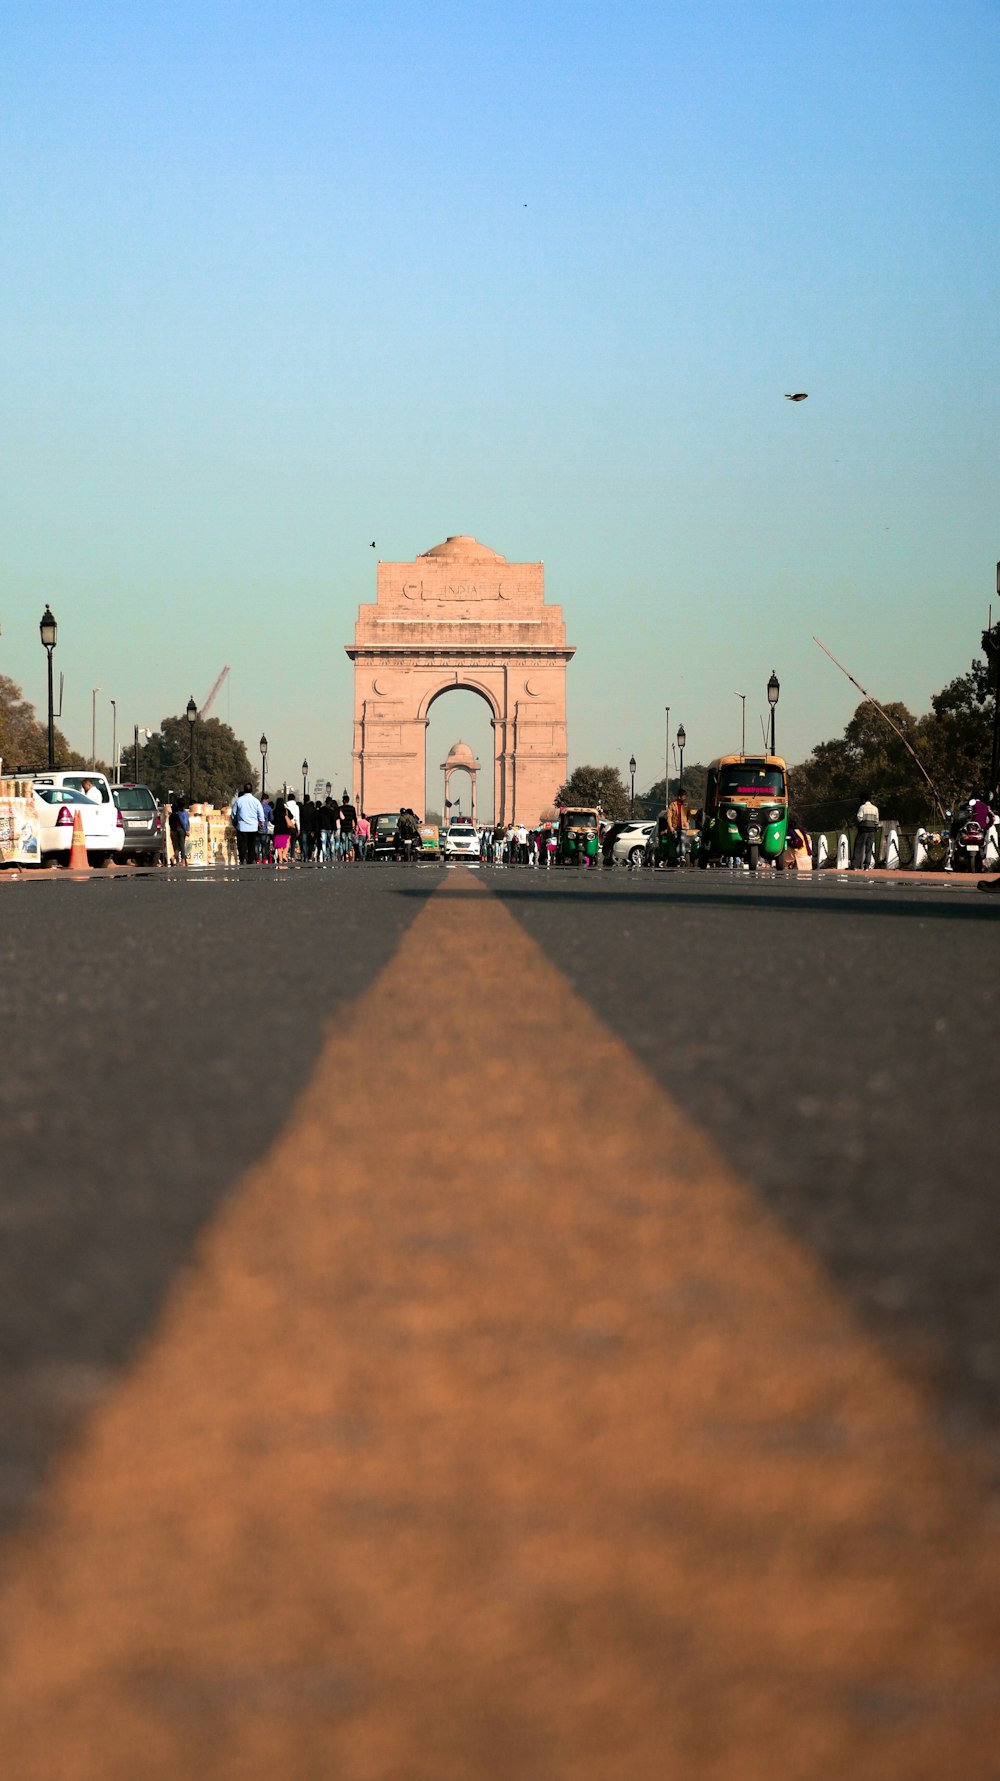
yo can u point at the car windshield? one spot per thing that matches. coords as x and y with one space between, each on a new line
134 797
59 794
463 833
751 779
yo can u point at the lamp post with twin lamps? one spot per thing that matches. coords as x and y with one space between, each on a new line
263 764
48 631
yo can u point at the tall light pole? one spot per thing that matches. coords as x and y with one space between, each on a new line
263 763
93 726
773 689
743 731
48 631
681 739
666 764
305 779
631 802
114 739
139 731
991 650
191 713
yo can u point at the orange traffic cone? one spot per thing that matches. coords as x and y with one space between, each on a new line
78 852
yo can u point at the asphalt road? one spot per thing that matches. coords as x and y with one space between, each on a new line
505 1287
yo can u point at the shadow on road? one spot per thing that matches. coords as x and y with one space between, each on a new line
916 905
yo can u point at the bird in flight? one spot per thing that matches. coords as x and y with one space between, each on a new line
372 546
799 396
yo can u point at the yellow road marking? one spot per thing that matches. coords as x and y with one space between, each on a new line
495 1431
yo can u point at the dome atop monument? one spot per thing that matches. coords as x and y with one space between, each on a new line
467 548
461 755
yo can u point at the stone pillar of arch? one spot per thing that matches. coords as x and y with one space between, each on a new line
460 615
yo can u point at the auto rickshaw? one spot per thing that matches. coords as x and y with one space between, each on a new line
746 810
430 841
579 829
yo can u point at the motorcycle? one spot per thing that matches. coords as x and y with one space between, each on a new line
967 846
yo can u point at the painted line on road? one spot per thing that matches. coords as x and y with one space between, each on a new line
496 1431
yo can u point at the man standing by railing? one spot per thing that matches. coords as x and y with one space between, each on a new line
868 823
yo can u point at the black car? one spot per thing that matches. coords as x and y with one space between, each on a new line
145 831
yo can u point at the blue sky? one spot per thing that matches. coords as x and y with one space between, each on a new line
278 281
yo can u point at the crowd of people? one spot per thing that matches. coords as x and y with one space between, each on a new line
277 830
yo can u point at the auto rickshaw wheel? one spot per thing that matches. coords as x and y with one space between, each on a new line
753 855
703 860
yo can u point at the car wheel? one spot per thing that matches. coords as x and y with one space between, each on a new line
636 855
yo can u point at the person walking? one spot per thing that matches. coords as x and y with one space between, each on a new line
284 829
348 826
249 821
180 826
294 816
868 825
362 835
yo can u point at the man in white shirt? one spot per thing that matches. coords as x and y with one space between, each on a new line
292 813
867 832
248 821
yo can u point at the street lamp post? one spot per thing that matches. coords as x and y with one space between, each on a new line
263 762
773 689
191 713
305 779
114 740
93 726
48 631
139 731
681 739
631 802
666 763
743 728
991 649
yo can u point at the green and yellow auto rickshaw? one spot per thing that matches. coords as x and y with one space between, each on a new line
746 810
579 837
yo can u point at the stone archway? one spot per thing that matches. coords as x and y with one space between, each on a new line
460 616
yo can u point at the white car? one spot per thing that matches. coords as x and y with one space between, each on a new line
460 842
629 846
57 806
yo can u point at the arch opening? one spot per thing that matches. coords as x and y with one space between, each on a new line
454 715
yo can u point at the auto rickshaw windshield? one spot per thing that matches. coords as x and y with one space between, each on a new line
750 779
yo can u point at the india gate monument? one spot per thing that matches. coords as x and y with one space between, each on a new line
460 616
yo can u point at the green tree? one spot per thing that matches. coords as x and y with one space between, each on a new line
24 741
869 760
602 786
649 804
221 762
957 734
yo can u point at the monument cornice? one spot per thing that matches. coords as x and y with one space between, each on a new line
436 652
